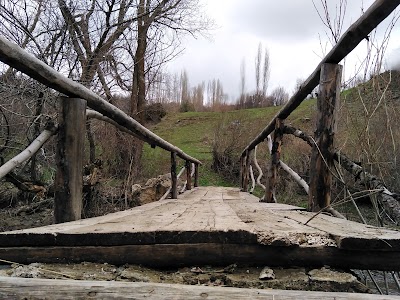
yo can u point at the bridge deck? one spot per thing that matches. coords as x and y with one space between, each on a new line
209 225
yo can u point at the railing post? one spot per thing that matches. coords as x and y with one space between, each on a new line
188 175
174 179
246 167
196 175
241 172
274 164
322 152
69 159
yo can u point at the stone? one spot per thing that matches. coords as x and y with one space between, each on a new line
267 274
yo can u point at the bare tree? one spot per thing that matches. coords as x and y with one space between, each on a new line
279 96
242 82
266 73
258 68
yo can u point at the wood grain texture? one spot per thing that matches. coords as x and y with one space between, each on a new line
26 288
209 225
68 183
321 165
217 254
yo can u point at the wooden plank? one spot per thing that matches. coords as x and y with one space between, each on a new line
321 165
68 183
204 218
356 33
218 254
277 230
348 234
29 288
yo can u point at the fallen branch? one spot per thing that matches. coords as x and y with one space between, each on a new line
386 198
260 172
295 176
28 152
92 114
253 182
169 189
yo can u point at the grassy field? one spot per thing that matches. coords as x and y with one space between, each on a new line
195 133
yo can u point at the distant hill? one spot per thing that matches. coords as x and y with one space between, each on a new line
367 131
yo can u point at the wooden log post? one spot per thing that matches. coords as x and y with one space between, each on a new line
69 160
275 162
241 173
246 170
174 179
188 175
323 149
196 175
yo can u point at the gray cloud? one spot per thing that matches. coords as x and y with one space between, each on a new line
286 20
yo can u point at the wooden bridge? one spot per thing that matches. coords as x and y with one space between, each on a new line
209 225
205 225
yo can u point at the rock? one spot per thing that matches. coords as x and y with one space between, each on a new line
154 189
327 279
267 274
133 276
230 269
29 271
135 190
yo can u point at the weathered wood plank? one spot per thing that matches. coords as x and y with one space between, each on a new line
218 254
18 288
203 218
277 230
350 235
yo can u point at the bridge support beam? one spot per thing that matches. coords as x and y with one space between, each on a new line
322 153
69 159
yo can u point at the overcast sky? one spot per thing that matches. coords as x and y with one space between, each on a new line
290 29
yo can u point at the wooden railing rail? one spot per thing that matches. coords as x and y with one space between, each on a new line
328 75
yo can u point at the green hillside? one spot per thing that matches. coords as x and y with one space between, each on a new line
195 133
367 132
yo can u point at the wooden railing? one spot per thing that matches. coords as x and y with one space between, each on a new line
328 76
68 183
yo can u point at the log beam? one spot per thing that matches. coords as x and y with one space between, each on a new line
323 149
69 157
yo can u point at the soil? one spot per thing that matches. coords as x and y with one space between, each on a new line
323 279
